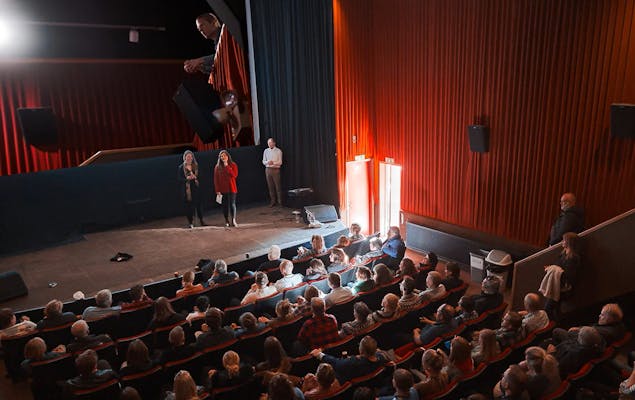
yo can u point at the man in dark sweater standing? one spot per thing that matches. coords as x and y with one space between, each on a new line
571 219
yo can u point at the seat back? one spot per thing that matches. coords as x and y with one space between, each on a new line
344 392
108 325
242 391
342 311
231 314
57 335
347 345
288 332
321 284
373 379
123 343
45 374
161 335
252 345
106 391
133 322
267 305
303 365
454 295
213 355
347 276
292 293
192 364
148 383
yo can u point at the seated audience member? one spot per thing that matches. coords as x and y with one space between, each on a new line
341 243
187 282
465 311
129 393
138 298
366 393
542 372
10 327
103 307
137 359
429 261
338 294
259 289
92 372
213 332
320 329
394 248
316 270
460 360
234 372
452 278
409 299
303 303
573 354
83 340
361 321
201 305
281 388
53 316
486 347
375 251
511 330
363 282
382 275
284 314
178 350
443 324
434 379
317 248
402 381
164 314
356 232
513 384
339 261
35 350
435 290
322 382
407 268
184 387
273 259
248 325
490 297
221 275
289 279
276 360
534 317
368 360
389 306
609 326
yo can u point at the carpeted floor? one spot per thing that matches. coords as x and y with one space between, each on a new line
159 248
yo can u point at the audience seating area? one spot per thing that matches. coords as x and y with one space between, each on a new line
132 324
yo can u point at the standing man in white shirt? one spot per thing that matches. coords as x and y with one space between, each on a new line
272 160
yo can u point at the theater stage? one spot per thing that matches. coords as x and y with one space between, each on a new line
159 248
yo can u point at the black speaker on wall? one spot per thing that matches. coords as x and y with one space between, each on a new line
196 100
38 126
322 212
623 120
11 286
479 138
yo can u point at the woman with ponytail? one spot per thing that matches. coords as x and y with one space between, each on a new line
233 373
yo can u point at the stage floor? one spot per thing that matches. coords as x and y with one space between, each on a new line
159 248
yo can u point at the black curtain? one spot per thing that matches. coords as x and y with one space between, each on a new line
293 46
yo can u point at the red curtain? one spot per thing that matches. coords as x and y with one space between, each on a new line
411 75
98 104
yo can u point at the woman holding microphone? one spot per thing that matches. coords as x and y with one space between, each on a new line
225 174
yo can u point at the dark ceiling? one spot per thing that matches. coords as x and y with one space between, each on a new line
180 40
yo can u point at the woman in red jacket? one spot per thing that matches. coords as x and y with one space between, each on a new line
225 174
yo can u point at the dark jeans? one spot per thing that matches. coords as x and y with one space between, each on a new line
229 206
190 206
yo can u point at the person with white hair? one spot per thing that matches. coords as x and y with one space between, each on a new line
103 307
82 339
289 279
273 259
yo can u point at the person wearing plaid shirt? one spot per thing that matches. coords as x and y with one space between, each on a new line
319 330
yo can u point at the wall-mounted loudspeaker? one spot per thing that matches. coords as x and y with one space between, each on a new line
623 120
38 126
196 100
479 138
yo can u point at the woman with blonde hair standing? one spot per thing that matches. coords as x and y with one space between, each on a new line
187 174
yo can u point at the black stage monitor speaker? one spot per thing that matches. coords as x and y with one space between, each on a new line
322 212
479 138
623 120
197 101
11 286
38 126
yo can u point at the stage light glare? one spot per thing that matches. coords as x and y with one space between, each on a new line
6 33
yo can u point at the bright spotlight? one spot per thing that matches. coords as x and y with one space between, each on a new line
6 33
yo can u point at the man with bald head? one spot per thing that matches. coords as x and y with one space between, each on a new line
82 339
534 317
571 219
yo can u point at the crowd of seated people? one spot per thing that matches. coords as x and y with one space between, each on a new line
541 371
